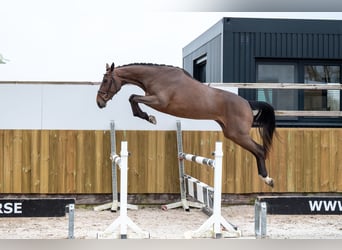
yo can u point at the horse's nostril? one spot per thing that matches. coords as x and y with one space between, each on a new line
99 105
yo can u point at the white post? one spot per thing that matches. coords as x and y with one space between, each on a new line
123 221
215 221
123 188
217 188
114 205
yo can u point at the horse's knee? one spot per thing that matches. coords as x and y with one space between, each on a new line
131 99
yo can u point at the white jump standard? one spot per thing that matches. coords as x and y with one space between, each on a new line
123 221
114 205
209 197
215 221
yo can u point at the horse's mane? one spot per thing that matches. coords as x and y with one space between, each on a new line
155 65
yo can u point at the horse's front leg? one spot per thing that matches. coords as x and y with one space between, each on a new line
134 101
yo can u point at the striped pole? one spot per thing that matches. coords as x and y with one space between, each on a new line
198 159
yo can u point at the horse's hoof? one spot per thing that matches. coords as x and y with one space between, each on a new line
152 119
269 181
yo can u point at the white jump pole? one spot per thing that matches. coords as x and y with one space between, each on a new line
123 188
217 187
114 205
215 221
123 221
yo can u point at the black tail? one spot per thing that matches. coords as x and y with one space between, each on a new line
264 119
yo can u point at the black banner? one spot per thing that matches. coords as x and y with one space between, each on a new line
303 205
34 207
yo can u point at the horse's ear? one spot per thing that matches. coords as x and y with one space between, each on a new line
112 67
107 66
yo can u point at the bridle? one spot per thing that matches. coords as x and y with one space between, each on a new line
105 93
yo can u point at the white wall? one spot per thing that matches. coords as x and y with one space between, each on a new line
60 106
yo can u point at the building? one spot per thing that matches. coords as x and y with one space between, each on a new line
274 51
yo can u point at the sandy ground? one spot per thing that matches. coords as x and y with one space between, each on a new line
171 224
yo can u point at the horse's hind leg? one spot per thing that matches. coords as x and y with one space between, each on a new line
245 141
260 158
259 153
135 100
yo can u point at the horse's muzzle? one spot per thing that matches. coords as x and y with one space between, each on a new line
100 105
100 102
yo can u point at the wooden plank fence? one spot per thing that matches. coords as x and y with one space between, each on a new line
77 161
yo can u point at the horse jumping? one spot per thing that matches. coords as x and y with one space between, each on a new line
173 91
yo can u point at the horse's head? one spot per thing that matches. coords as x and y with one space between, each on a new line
108 88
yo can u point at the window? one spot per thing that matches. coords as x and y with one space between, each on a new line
200 65
306 72
321 99
278 73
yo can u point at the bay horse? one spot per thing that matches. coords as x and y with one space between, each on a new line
173 91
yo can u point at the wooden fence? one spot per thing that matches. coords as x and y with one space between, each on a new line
77 161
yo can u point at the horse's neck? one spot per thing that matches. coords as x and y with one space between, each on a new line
128 75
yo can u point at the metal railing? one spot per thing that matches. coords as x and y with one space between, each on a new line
288 86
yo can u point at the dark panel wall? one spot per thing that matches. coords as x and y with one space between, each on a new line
239 54
233 45
213 51
296 45
246 40
209 44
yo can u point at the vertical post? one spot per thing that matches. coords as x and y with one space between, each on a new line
217 188
182 181
181 166
123 188
260 220
263 219
257 218
114 168
71 221
216 219
123 221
